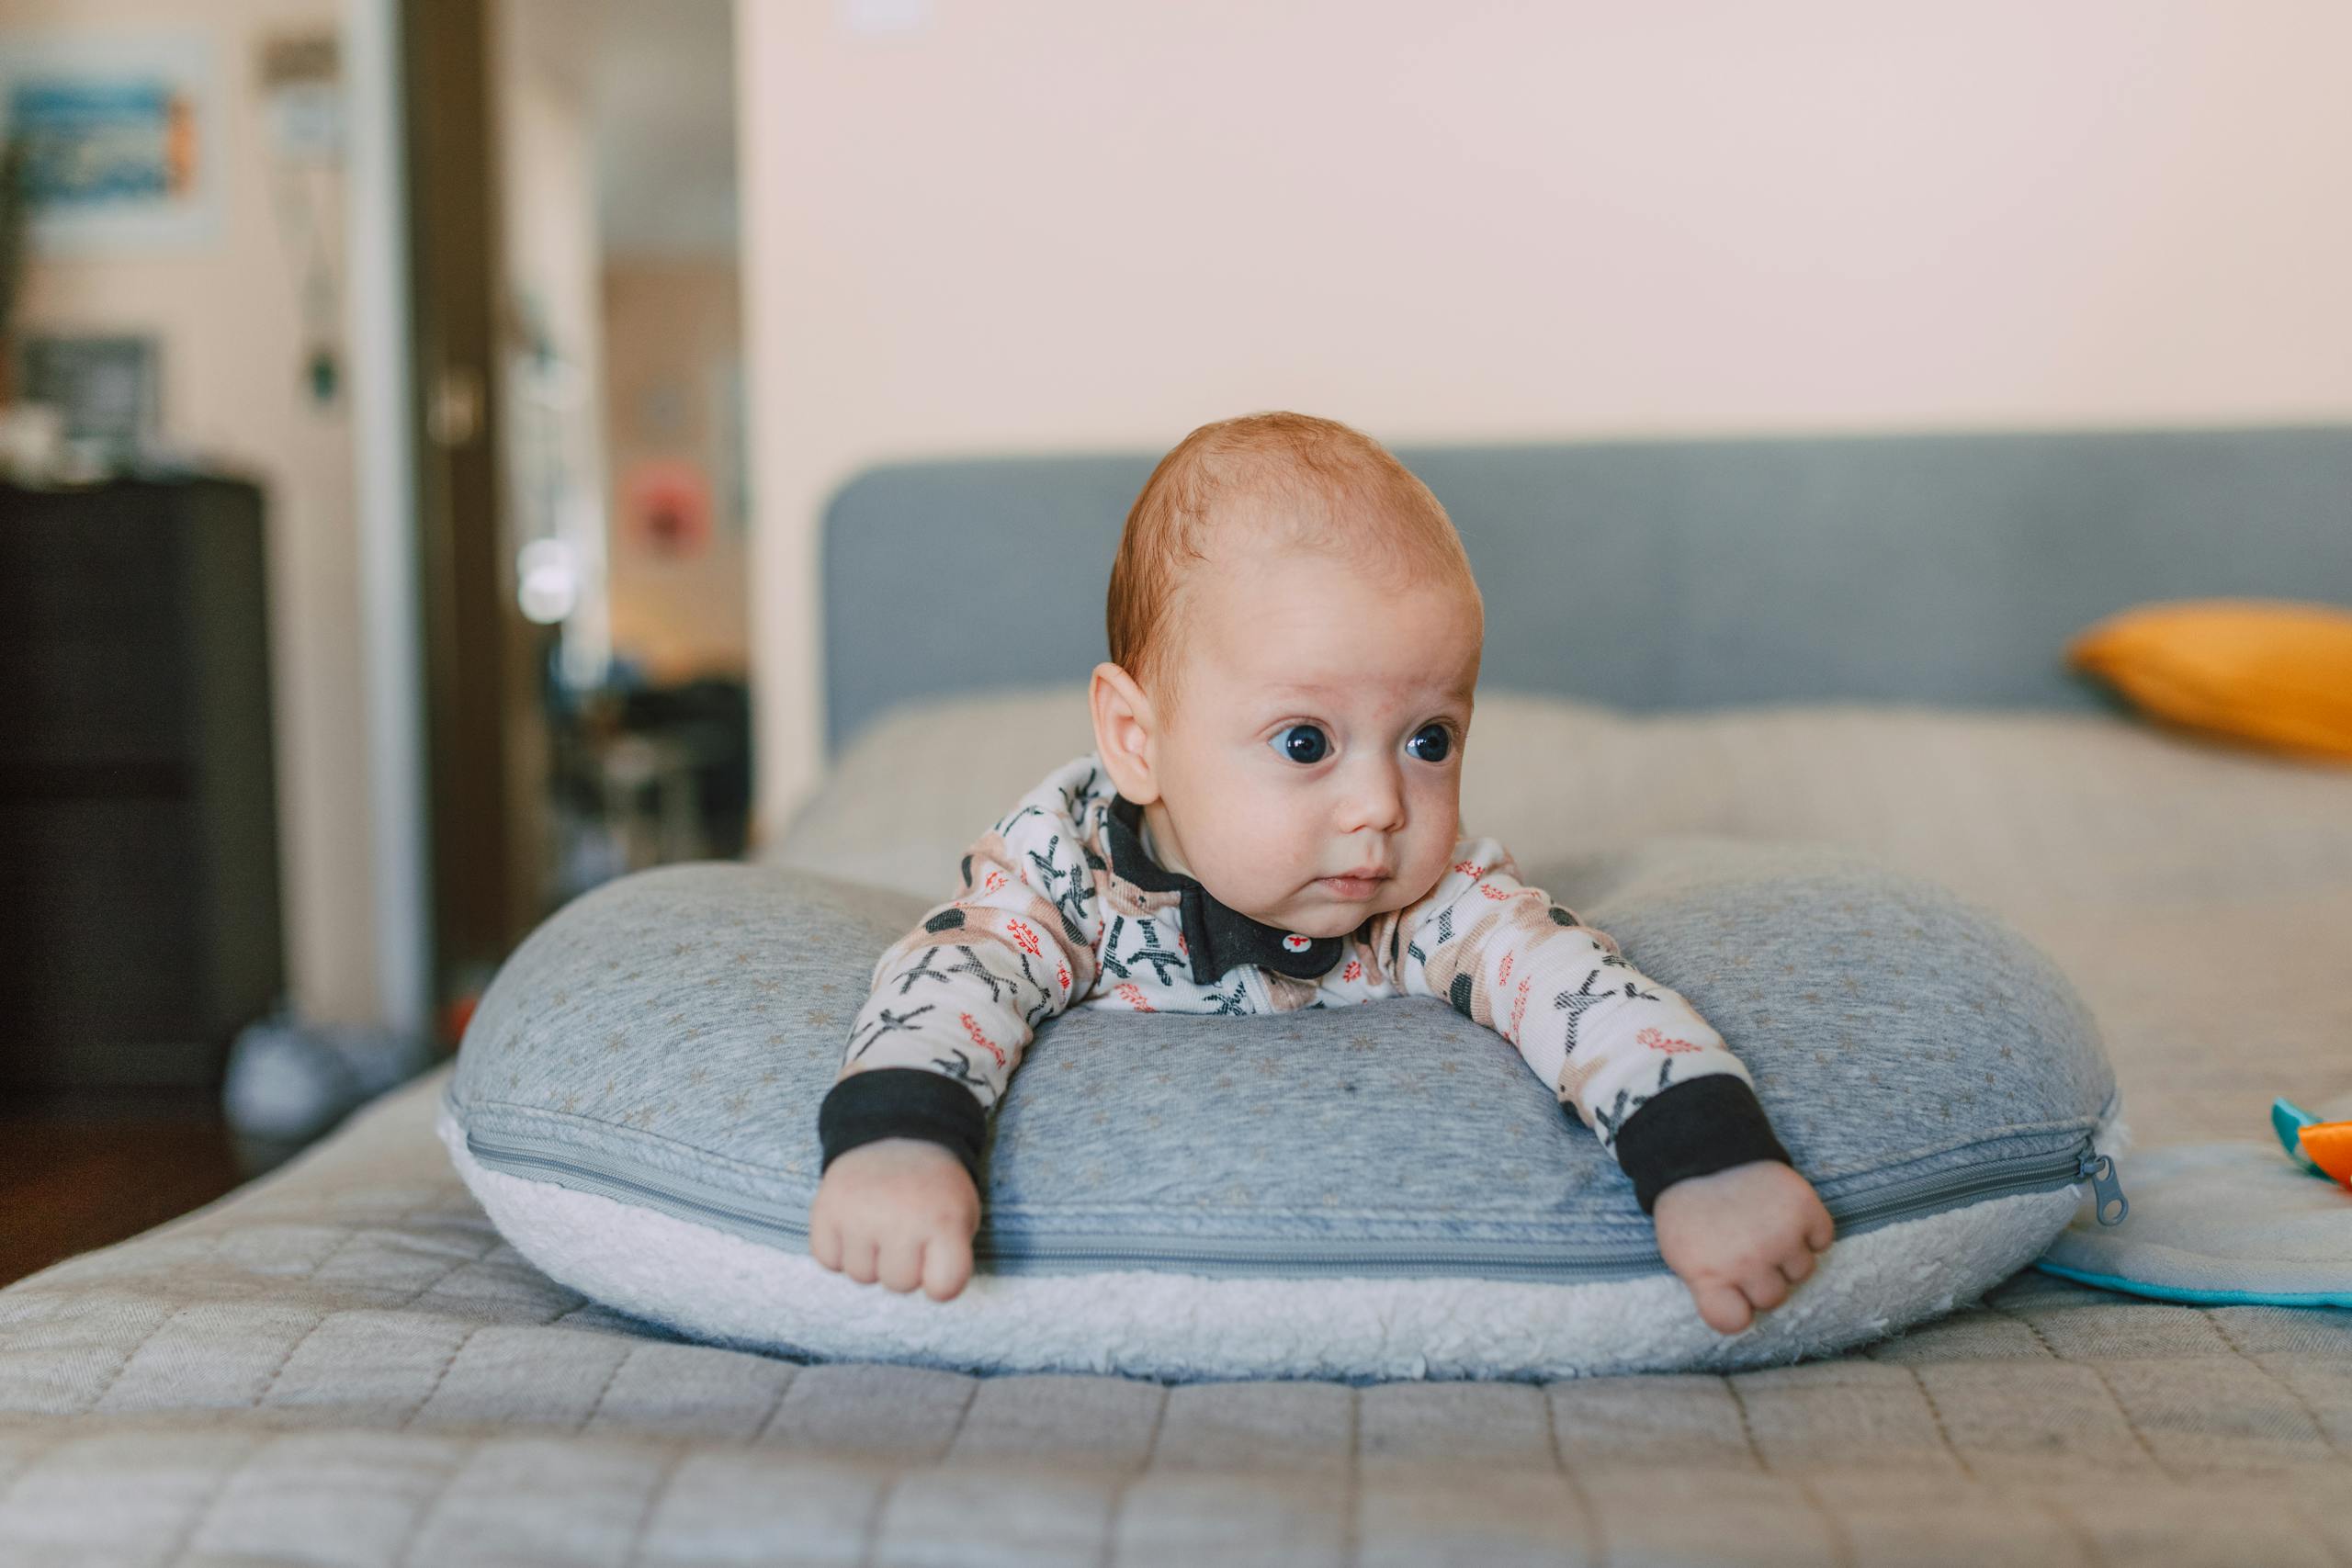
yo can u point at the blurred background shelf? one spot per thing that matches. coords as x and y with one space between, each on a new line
140 924
140 921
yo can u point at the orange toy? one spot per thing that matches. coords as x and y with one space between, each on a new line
2325 1148
2328 1145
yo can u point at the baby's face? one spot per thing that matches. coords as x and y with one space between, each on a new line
1311 774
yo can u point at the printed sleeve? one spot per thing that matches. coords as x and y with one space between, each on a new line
955 1001
1632 1058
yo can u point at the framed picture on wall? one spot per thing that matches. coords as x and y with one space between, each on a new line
121 132
107 389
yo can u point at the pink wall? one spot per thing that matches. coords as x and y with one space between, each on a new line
1046 223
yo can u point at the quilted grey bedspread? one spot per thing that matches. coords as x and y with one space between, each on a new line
343 1364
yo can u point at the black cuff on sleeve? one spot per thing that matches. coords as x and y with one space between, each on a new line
903 1102
1696 1128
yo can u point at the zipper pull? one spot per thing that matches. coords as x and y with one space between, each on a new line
2108 1202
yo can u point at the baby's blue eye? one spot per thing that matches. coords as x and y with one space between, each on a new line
1430 743
1302 743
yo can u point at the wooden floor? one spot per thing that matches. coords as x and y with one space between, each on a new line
75 1178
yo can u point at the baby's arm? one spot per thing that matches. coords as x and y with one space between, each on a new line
1639 1067
955 1003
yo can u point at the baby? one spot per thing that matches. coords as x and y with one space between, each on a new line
1270 821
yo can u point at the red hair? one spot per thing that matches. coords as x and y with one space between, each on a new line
1308 483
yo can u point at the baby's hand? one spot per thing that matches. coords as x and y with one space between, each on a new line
901 1210
1741 1239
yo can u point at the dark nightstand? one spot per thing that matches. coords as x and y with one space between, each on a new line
138 888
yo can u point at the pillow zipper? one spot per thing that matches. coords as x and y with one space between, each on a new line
630 1181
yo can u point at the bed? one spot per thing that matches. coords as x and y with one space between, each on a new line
1848 640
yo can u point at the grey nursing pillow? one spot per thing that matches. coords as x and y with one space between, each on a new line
1370 1191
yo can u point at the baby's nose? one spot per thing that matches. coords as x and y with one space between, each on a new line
1375 799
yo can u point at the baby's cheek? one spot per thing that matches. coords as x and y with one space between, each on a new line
1435 835
1271 868
1427 860
1269 856
1264 847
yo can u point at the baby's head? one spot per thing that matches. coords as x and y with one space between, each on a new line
1295 639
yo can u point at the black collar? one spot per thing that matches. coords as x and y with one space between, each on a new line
1220 938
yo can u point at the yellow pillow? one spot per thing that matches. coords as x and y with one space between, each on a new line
2275 673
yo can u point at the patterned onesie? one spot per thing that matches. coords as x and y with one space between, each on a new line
1062 906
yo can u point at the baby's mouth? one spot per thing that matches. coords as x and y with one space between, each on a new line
1354 884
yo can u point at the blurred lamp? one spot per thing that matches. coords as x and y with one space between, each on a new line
546 581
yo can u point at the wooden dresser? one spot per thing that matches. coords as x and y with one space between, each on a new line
139 875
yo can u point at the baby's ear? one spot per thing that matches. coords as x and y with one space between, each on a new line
1123 732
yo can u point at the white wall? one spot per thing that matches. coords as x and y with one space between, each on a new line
226 313
1052 223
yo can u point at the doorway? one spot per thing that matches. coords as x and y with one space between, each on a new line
581 472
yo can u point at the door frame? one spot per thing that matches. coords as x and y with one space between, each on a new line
483 664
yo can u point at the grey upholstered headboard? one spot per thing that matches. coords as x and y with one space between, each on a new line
1944 568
